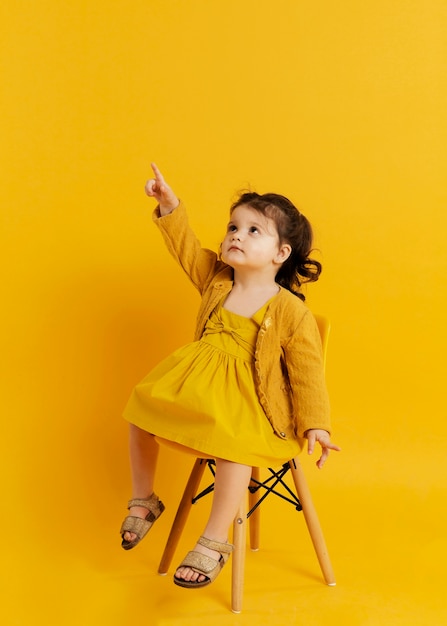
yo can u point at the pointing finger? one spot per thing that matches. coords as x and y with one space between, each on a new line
158 174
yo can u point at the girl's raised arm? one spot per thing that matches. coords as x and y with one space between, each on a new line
158 188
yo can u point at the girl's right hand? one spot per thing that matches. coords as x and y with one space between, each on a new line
157 188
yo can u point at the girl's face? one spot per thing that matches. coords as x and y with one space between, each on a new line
252 241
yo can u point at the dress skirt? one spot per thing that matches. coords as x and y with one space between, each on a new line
203 397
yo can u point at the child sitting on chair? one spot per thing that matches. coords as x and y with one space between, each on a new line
251 387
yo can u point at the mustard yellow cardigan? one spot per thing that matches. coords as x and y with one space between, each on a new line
289 375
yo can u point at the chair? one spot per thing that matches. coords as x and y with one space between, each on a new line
302 502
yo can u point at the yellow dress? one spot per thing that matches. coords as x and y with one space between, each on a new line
203 396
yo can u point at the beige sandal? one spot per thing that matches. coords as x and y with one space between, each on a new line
203 564
138 525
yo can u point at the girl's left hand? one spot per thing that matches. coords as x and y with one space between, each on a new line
315 435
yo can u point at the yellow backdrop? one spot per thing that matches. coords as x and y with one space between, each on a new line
340 106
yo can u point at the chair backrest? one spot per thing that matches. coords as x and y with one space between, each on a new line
324 326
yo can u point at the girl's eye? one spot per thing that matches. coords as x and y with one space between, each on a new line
253 229
231 228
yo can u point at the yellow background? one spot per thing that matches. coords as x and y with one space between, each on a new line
340 106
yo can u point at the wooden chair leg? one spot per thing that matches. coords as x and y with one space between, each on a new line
238 557
312 521
182 515
255 517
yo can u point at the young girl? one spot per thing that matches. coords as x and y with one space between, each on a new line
251 387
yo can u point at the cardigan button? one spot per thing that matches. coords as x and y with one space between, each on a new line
267 322
283 435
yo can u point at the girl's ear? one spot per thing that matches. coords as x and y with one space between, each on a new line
284 252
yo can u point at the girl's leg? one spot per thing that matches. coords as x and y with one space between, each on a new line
231 482
143 462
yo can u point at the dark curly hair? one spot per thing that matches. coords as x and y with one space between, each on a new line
293 228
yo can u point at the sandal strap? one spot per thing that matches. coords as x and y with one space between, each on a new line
136 525
222 548
152 504
200 563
